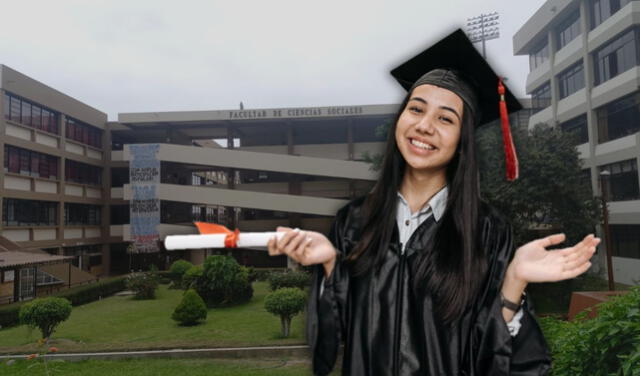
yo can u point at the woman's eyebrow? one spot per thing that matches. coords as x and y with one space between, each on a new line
452 110
442 107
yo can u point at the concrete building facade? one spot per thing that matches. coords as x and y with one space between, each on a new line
585 78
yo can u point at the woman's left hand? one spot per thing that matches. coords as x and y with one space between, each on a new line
534 263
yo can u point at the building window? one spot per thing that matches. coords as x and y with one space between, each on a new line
539 56
577 126
82 173
622 183
620 55
30 114
569 29
83 133
571 80
585 179
625 240
86 256
619 118
27 162
541 97
17 212
603 9
82 215
120 214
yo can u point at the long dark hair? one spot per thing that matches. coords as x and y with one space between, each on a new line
452 267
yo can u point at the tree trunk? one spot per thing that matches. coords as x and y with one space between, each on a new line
286 325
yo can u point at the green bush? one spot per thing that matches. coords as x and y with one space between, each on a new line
224 282
298 279
286 303
10 315
190 277
178 268
143 284
191 309
93 291
45 314
606 345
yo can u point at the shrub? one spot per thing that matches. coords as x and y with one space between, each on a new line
298 279
286 303
191 309
45 314
144 284
606 345
223 282
190 278
93 291
178 268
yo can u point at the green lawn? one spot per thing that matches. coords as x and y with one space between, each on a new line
161 367
122 323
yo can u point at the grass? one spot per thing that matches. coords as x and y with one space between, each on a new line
161 367
122 323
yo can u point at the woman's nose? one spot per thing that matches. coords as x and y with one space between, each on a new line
425 125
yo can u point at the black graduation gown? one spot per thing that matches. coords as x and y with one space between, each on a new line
387 330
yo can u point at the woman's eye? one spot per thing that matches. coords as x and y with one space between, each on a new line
446 119
417 110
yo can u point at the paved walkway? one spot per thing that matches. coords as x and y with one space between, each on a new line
229 352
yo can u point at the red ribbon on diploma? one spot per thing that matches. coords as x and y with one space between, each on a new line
230 241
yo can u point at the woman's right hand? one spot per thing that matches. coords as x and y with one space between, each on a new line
304 247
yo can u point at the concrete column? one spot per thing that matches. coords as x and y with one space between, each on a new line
106 199
553 82
231 174
2 132
350 139
290 138
61 176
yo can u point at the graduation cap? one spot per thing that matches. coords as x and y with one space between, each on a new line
454 64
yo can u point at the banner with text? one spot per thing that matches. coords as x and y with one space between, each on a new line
144 177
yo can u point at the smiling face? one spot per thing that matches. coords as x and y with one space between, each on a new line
428 130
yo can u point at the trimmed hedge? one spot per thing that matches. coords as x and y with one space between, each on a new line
297 279
191 310
9 314
223 282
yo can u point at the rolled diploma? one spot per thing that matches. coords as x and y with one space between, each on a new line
245 239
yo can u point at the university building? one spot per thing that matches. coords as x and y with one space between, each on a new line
84 198
585 78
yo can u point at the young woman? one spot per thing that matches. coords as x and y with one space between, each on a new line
419 277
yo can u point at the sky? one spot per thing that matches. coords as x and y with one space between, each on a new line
153 56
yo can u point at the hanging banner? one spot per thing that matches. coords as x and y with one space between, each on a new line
144 208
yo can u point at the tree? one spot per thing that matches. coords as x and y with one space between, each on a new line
177 271
191 309
144 284
45 314
286 303
551 193
190 277
224 282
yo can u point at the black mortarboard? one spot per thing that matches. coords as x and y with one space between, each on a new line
454 63
456 52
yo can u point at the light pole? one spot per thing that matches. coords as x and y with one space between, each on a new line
604 179
483 28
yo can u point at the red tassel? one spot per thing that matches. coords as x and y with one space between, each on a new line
509 148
